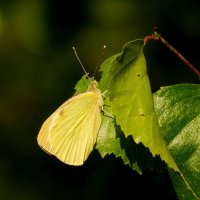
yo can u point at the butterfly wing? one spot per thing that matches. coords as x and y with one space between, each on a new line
71 131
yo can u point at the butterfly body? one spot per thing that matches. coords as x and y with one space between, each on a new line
71 131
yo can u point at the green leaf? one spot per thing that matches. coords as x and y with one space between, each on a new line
132 102
110 139
178 109
82 85
104 69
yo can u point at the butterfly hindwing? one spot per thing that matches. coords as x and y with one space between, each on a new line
71 131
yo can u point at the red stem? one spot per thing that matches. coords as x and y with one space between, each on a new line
157 36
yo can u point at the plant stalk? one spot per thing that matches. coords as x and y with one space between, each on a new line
158 37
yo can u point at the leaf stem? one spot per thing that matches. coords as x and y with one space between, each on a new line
158 37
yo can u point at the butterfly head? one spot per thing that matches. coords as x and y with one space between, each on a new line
93 86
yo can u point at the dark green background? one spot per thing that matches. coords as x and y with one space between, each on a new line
39 71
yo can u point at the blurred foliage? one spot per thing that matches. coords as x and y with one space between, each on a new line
39 71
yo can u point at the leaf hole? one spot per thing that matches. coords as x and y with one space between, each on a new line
142 114
138 75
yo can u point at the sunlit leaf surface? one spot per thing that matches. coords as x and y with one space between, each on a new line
178 109
132 102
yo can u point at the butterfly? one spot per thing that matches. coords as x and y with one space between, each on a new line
71 131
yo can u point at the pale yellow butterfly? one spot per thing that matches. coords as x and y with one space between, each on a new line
71 131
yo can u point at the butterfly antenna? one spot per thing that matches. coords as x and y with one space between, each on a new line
102 52
80 62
